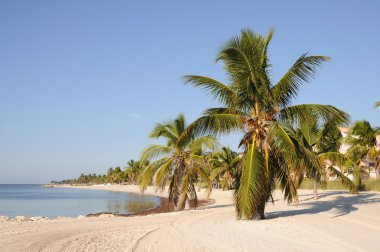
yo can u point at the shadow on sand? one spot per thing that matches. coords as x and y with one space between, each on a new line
341 205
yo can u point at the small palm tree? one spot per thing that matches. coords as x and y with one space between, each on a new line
201 157
260 109
118 175
110 175
318 142
225 164
363 148
176 163
133 170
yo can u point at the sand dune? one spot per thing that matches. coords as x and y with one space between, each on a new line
337 222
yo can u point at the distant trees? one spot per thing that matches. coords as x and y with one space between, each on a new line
90 178
115 175
130 175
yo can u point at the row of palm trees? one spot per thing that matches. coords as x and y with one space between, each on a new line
129 174
281 143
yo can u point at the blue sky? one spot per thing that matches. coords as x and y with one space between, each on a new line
83 82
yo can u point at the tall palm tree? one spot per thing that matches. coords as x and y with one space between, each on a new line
261 110
318 142
176 162
225 164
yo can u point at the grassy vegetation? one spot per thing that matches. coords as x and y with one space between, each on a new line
367 185
371 185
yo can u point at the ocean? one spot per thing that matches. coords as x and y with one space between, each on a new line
35 200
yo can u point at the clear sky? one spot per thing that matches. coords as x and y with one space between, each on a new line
83 82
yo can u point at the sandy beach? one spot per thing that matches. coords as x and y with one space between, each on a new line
336 222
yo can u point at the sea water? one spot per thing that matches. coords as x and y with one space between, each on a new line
35 200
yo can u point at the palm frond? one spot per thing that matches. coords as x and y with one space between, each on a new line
306 112
164 130
265 61
280 138
217 171
162 173
357 152
229 111
287 184
245 59
301 71
335 158
154 151
216 124
343 179
216 89
201 171
209 142
146 177
250 190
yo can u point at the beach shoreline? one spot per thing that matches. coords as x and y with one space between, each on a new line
163 207
338 221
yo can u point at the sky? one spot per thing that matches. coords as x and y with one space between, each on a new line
82 83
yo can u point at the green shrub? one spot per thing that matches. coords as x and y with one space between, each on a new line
367 185
371 185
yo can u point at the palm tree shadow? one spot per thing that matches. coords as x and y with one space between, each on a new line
218 206
340 206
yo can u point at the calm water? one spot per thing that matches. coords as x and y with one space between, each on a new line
34 200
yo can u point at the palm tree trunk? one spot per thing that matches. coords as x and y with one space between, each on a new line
261 211
187 204
358 180
176 188
315 187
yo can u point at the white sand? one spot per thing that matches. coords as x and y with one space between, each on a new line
337 222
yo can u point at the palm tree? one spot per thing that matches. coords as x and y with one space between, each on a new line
318 142
377 104
201 158
117 175
134 169
261 110
363 148
225 164
176 162
110 175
